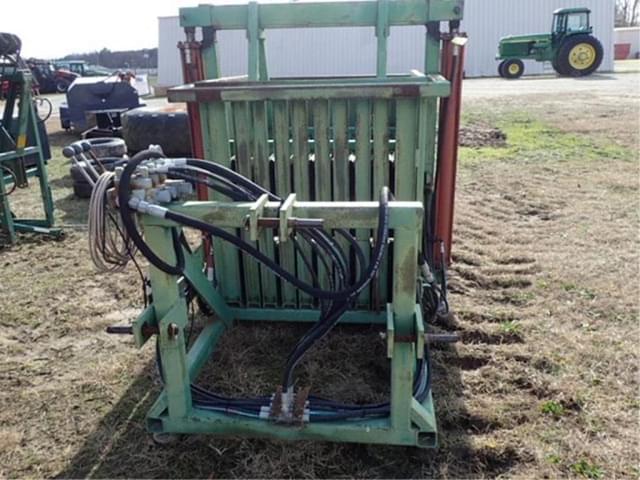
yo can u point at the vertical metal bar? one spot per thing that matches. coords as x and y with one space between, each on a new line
432 48
282 170
301 184
211 66
5 213
381 166
448 155
341 180
322 163
363 173
262 162
382 33
216 145
166 296
253 40
244 165
405 253
263 71
43 178
405 155
340 151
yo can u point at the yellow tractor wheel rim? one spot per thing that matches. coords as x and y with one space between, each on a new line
582 56
514 69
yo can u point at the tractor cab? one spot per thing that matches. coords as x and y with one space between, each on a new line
569 21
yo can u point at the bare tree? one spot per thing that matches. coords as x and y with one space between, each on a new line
627 13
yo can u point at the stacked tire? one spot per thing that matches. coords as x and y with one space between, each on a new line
111 152
167 126
10 44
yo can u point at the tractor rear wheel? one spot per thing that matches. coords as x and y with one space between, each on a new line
512 69
579 56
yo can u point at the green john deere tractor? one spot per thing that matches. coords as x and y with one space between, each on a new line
570 47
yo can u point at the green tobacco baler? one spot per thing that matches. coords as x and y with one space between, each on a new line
338 191
570 47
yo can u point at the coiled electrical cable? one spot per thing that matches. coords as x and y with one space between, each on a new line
110 248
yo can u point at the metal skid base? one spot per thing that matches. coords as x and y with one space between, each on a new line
409 423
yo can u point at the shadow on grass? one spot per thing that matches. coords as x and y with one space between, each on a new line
120 446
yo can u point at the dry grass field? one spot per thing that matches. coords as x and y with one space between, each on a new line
545 285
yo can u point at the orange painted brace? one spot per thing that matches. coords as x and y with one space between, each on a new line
452 67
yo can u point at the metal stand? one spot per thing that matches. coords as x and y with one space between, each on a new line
19 139
409 423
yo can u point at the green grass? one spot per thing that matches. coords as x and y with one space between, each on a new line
529 139
587 469
551 407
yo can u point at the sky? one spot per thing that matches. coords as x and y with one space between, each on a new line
51 29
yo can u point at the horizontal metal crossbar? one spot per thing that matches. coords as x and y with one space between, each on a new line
334 214
321 14
361 88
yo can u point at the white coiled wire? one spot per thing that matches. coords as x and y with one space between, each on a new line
109 245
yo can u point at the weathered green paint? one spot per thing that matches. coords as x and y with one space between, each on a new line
262 177
321 14
20 121
363 174
170 309
410 423
334 143
301 186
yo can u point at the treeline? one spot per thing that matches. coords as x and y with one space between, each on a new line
145 58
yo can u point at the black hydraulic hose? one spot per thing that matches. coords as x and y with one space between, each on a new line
237 180
321 329
224 190
273 266
126 213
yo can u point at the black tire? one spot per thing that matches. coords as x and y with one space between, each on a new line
513 68
568 49
108 147
501 68
62 86
9 44
164 126
76 169
82 190
557 68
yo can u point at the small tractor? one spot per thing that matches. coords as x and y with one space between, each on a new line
570 47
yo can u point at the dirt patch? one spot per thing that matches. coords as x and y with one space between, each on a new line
476 136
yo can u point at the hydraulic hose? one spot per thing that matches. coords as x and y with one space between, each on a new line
126 213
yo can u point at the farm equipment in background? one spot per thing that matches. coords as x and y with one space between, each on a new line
570 47
332 190
94 104
49 78
24 148
82 69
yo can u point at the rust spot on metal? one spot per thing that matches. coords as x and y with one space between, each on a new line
299 404
276 404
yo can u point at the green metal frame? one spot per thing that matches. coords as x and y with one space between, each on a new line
335 142
18 125
409 423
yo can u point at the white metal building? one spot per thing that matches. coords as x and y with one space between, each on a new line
352 51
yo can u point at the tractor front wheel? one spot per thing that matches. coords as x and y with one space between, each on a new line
579 56
511 69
